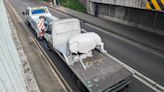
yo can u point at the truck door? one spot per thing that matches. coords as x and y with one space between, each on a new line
27 17
48 34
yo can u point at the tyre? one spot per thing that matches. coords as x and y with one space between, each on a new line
36 34
48 45
80 86
28 23
127 86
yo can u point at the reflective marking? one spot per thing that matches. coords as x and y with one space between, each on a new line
148 5
160 4
162 1
41 25
155 3
151 4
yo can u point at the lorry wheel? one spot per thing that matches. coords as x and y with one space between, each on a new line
36 34
48 46
28 23
80 86
127 86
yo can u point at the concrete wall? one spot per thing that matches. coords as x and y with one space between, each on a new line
90 7
11 71
127 3
83 2
144 19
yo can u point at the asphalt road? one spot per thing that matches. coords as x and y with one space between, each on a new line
143 61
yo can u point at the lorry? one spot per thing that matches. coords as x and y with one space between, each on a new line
86 57
37 18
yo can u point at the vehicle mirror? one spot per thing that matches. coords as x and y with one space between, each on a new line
48 32
23 13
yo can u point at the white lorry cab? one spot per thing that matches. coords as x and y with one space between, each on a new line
84 54
38 17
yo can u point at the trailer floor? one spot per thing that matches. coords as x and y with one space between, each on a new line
101 72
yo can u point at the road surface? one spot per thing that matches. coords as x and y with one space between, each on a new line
143 61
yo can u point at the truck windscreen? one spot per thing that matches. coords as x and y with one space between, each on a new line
38 11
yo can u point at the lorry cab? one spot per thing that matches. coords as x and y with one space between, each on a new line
38 18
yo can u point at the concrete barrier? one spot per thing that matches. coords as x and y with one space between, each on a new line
145 19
